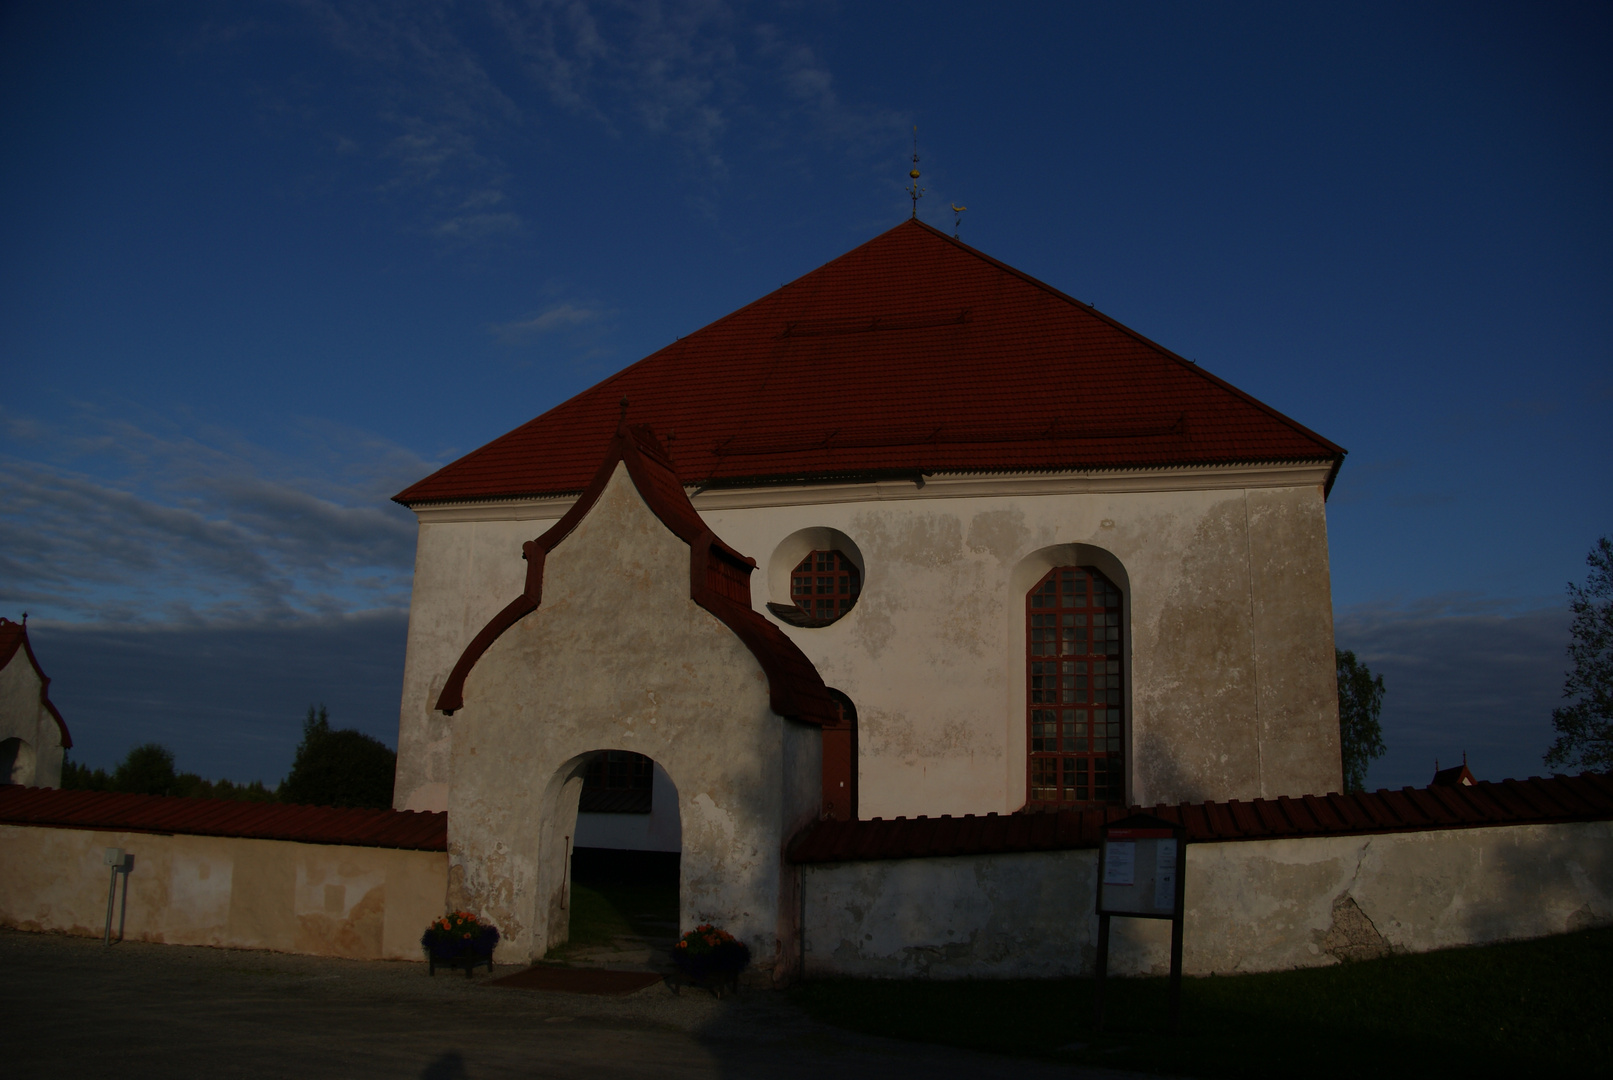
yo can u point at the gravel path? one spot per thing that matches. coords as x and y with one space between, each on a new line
74 1007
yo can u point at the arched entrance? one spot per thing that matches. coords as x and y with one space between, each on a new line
623 892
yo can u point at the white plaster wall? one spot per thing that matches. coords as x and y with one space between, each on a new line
317 899
1230 632
618 656
23 716
1251 905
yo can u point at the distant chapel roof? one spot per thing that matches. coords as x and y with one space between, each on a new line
912 354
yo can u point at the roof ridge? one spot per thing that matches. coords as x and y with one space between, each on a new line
1092 309
602 384
739 371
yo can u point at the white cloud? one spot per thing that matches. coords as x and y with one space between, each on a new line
113 523
560 317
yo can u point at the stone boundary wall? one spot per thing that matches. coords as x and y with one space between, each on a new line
365 903
1252 905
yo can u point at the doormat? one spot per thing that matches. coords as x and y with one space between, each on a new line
579 980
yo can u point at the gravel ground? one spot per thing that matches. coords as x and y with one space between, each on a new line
74 1007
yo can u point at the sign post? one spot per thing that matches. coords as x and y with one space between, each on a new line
1142 871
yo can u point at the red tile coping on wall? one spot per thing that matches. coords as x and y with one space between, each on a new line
910 355
1587 797
112 812
14 636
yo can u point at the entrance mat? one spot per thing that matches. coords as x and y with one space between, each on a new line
579 980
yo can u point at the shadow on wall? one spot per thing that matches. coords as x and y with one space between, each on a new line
1527 868
450 1066
1157 770
16 762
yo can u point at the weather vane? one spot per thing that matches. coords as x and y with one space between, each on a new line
957 219
913 189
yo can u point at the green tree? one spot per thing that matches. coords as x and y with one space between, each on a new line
1360 734
148 770
1585 727
339 768
82 777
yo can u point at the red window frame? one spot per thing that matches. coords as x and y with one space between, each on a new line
1075 690
825 585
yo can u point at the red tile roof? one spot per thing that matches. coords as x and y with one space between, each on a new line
719 581
112 812
911 354
14 636
1587 797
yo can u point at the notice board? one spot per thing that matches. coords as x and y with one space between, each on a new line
1140 873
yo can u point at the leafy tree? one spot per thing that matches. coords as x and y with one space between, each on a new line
148 770
339 768
1585 727
193 786
82 777
1360 734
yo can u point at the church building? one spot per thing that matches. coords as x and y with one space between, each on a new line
915 534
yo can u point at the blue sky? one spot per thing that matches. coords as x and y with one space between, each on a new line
264 264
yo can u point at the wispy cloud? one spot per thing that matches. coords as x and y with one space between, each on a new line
115 523
559 317
451 99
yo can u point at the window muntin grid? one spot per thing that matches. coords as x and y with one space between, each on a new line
619 770
1074 688
825 585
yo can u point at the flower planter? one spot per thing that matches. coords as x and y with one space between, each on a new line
459 941
710 958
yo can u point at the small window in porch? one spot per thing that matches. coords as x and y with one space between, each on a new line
617 782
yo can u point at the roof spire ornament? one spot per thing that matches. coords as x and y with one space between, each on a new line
957 218
913 188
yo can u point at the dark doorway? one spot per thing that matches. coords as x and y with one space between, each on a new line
624 898
624 909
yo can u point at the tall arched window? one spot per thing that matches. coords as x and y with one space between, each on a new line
1075 694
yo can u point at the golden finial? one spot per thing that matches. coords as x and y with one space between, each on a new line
957 219
913 189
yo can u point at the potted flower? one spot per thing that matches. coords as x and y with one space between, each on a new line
459 939
710 957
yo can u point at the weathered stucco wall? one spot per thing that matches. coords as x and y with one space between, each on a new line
1228 607
320 899
618 657
1251 905
36 760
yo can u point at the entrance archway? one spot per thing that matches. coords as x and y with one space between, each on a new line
623 902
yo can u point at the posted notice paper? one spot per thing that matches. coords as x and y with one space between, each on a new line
1120 862
1165 875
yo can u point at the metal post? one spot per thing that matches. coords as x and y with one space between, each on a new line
1176 975
123 907
111 894
565 872
1103 969
114 858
